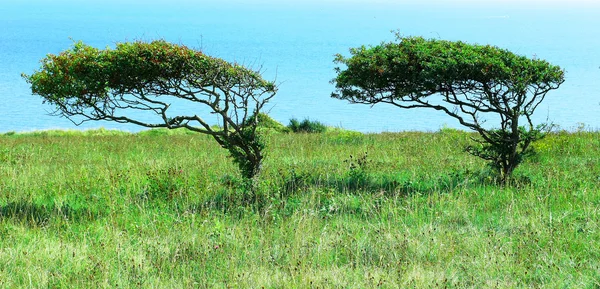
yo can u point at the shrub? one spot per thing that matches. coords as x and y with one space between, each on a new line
306 126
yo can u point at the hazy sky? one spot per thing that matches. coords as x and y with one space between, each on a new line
341 2
423 2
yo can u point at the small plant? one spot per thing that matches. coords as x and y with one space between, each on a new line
358 170
164 184
306 126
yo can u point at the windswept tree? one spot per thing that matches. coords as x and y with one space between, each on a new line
138 83
471 83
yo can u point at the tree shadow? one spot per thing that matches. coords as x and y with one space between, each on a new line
41 214
290 186
390 185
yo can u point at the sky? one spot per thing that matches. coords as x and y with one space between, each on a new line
340 2
176 6
412 2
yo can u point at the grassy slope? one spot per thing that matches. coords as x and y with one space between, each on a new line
107 209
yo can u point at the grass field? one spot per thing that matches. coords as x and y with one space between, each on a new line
104 209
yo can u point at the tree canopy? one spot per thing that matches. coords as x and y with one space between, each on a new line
85 83
466 81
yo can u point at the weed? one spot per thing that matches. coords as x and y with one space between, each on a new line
358 174
164 184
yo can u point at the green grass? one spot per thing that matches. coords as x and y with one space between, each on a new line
161 209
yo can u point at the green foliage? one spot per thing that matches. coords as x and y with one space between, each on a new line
306 126
471 83
83 76
417 67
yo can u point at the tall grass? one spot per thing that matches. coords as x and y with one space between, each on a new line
335 210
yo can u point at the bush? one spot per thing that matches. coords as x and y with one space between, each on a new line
306 126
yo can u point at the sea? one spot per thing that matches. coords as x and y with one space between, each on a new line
294 43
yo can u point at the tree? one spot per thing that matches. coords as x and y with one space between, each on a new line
139 81
471 83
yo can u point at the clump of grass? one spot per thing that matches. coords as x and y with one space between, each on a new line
265 122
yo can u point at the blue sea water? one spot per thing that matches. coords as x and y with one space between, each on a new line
295 42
